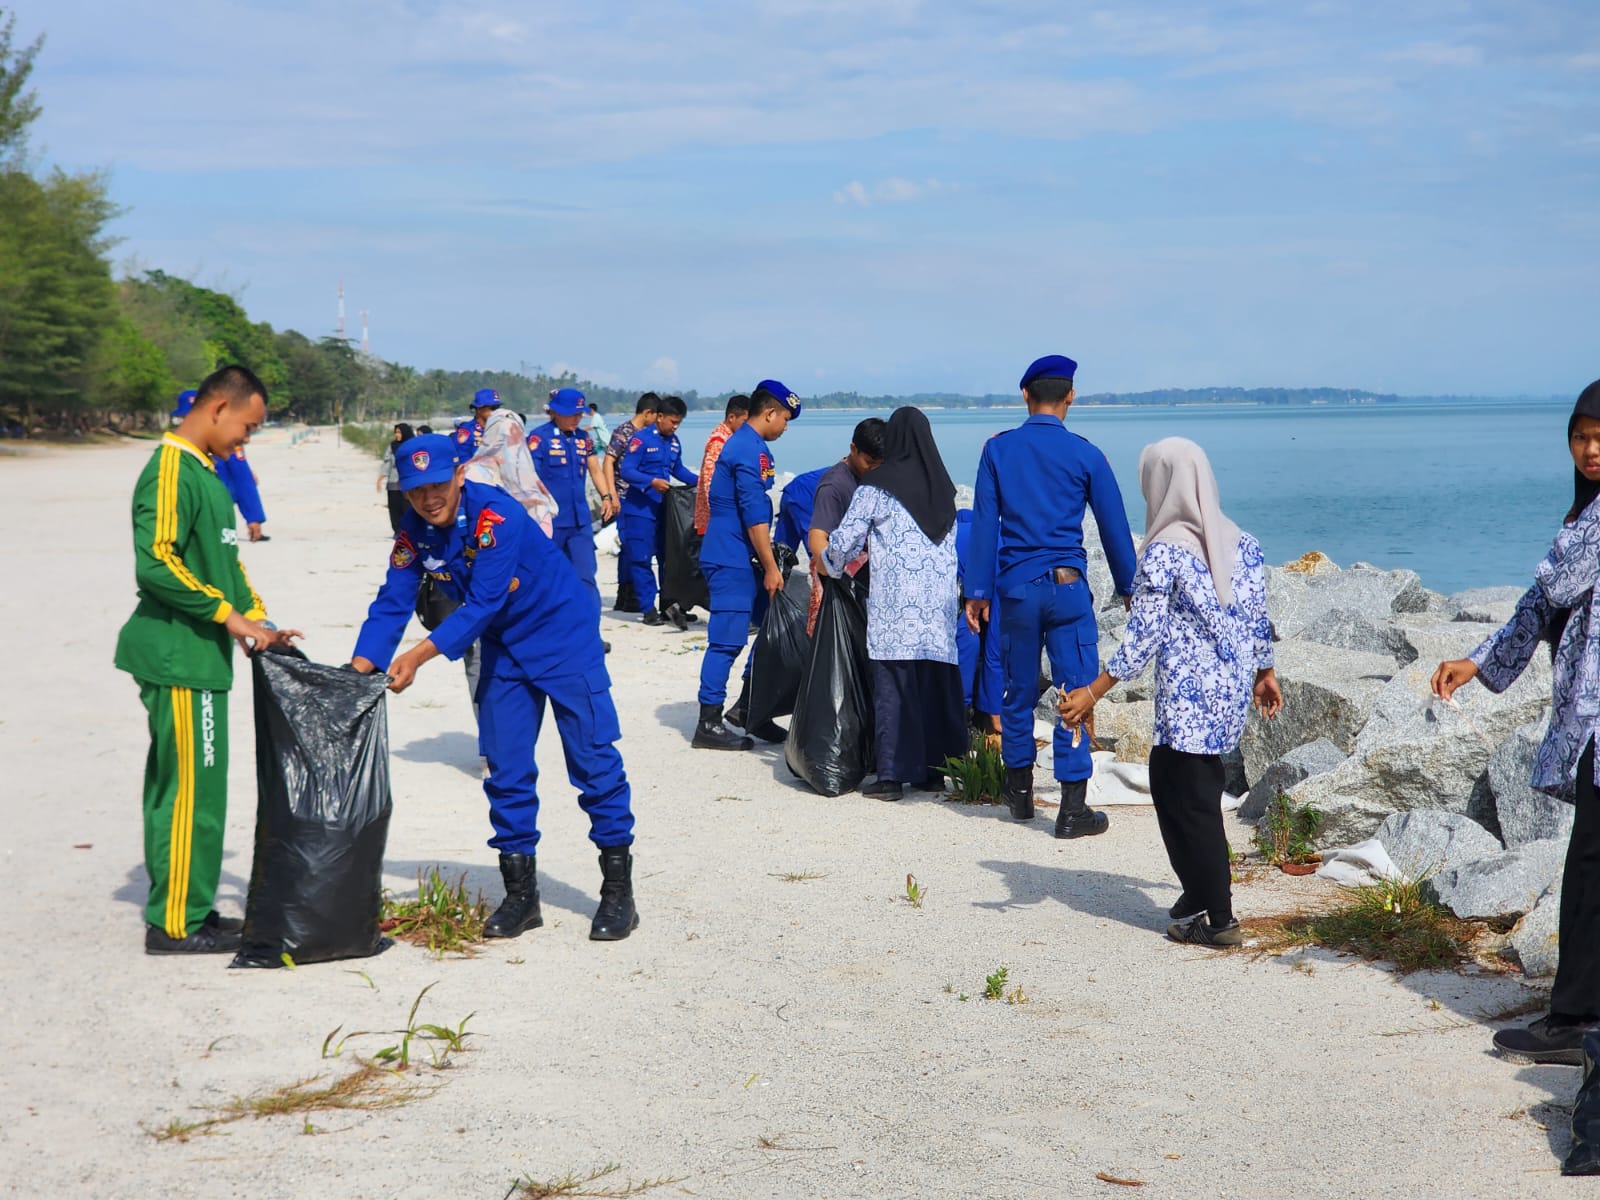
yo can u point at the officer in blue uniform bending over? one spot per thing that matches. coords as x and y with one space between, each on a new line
1033 484
739 531
518 597
653 459
564 456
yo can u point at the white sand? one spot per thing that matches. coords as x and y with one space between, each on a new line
822 1015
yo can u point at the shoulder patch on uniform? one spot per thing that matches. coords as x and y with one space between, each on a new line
635 444
483 535
534 441
403 554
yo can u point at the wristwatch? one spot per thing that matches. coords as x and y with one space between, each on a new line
608 496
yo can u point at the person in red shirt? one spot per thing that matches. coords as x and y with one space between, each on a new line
734 415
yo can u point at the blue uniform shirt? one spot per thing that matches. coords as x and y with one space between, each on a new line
562 460
467 438
1033 483
519 593
651 456
241 481
738 495
794 509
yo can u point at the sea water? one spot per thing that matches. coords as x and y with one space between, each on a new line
1465 493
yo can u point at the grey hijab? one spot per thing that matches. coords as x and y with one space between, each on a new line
1182 508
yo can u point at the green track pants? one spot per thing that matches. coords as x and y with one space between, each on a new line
185 803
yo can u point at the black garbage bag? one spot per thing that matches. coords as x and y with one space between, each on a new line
777 660
1584 1157
681 580
830 743
322 813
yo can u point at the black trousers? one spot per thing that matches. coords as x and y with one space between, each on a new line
398 507
1576 994
920 719
1187 791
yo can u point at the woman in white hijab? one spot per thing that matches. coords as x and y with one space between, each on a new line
1200 611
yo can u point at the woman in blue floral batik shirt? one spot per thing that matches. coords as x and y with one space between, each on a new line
1200 611
1558 611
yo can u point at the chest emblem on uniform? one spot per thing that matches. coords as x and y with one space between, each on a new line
404 553
483 535
420 460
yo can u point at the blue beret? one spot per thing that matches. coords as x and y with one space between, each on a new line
486 398
782 394
1051 366
427 458
185 403
568 402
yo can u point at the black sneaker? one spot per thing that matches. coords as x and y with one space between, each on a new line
675 614
1198 932
222 924
1545 1041
883 789
652 617
205 940
1185 909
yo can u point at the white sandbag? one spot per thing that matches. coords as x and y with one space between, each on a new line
1356 866
608 541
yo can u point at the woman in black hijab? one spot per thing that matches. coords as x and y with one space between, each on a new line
905 513
1558 610
389 477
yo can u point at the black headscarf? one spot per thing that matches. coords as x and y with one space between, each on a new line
1583 494
914 474
406 433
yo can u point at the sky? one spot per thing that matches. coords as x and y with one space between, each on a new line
884 196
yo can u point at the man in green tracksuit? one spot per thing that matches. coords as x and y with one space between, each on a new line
194 602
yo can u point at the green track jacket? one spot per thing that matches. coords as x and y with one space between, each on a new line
189 575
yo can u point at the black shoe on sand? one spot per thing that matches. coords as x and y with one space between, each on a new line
652 617
222 924
1197 932
1075 819
206 940
1185 909
883 789
1018 793
1545 1041
519 911
712 732
677 616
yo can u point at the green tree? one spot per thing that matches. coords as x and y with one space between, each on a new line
18 108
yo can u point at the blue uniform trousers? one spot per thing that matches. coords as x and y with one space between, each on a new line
577 543
737 599
510 714
989 687
1059 618
640 531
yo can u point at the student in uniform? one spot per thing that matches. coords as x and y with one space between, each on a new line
1200 612
195 602
736 555
1557 615
734 414
565 456
644 415
1027 551
654 458
522 601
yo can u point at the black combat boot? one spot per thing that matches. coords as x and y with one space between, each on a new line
1018 792
616 917
1075 819
627 598
740 708
712 734
520 909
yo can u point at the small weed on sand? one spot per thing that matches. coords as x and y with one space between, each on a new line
994 986
979 775
1390 921
1290 833
441 1041
915 892
798 876
592 1184
441 917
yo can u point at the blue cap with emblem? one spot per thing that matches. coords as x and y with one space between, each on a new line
486 398
781 393
427 458
185 403
568 402
1051 366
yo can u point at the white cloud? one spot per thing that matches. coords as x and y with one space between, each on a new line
893 190
662 373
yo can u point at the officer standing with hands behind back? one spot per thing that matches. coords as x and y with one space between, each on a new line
515 589
564 456
738 545
1033 485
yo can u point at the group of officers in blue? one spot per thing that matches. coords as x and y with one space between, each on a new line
518 591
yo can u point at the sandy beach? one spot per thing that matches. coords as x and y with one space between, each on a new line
759 1036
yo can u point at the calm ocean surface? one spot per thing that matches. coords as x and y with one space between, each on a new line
1465 494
